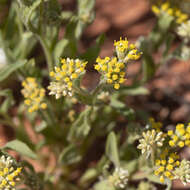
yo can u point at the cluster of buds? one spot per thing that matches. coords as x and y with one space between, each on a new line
180 137
113 69
8 173
183 172
150 140
33 94
119 178
155 125
64 77
125 51
184 30
165 166
176 13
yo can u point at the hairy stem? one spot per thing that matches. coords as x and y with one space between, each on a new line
47 52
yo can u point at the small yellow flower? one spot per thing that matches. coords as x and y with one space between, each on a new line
155 10
170 132
162 179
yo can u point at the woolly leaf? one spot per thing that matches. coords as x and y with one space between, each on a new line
8 102
81 127
10 68
70 155
149 67
111 149
21 148
103 185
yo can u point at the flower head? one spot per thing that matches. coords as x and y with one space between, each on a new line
174 12
8 173
64 76
185 51
150 139
119 178
164 8
155 125
183 172
180 17
165 166
184 30
33 94
180 137
112 70
125 51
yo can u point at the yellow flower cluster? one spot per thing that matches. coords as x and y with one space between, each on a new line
126 52
112 70
8 174
155 125
166 166
180 137
33 94
64 76
179 16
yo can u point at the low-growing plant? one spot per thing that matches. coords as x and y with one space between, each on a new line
85 136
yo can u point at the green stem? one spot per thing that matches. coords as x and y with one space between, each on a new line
80 91
47 117
96 91
47 52
169 185
153 156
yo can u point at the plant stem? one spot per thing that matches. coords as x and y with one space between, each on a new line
80 91
169 185
153 155
96 91
47 52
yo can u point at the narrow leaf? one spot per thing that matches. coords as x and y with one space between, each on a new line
111 149
10 68
21 148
